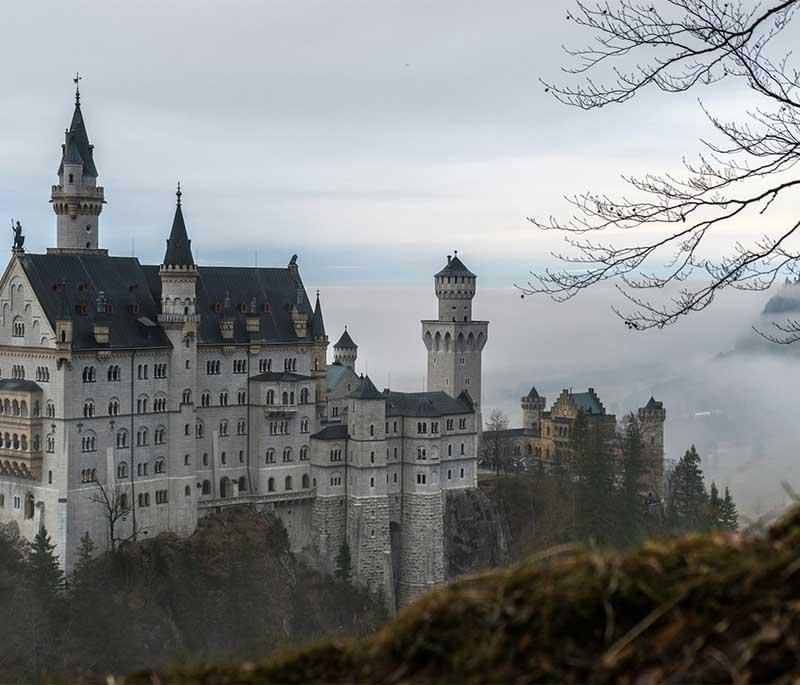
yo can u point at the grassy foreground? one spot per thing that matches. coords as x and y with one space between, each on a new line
705 609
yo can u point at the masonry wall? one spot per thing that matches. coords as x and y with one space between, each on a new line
422 546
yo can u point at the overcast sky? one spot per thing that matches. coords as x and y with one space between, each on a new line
371 138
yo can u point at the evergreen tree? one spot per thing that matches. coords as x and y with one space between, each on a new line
85 552
344 562
714 508
631 525
687 498
590 454
729 517
44 576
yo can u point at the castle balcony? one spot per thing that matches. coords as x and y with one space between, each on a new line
21 463
280 409
261 498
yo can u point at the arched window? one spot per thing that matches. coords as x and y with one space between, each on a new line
187 491
29 506
122 438
288 483
270 458
285 398
160 404
241 427
88 375
141 436
88 409
122 470
372 430
88 442
306 484
223 398
287 454
241 397
23 409
304 395
160 466
271 485
205 398
50 410
304 453
270 397
206 487
242 484
113 407
304 425
200 429
160 435
18 328
223 427
141 404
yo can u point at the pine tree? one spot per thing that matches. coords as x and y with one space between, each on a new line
344 562
45 576
729 517
594 478
630 503
85 552
687 498
714 508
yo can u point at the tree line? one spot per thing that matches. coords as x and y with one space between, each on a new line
591 490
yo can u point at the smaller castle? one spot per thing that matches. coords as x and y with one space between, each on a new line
543 432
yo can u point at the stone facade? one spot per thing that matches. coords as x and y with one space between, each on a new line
179 389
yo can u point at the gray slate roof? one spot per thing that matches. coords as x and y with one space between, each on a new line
420 404
274 376
335 372
78 142
121 279
15 384
345 342
588 402
274 286
455 267
366 390
336 431
179 247
317 322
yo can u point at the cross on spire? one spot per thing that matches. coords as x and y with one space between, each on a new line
179 193
77 81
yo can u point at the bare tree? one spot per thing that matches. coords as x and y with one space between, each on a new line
116 506
676 46
495 442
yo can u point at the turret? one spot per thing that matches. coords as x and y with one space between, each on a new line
651 421
345 351
77 199
533 405
455 288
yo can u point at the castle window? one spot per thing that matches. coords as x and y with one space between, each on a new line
271 485
304 453
141 437
88 375
122 438
199 429
187 396
241 427
223 458
421 478
223 398
144 499
372 482
160 466
304 425
304 396
394 478
159 436
206 490
288 483
88 409
213 367
305 482
372 430
113 372
18 328
205 399
462 473
240 366
242 484
51 444
187 460
88 442
187 491
241 456
435 427
270 458
372 457
223 427
205 458
113 407
270 397
141 404
71 178
122 471
449 450
462 424
160 405
160 370
449 425
287 454
462 448
241 397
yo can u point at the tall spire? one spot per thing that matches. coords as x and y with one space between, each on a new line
179 247
317 323
77 82
76 137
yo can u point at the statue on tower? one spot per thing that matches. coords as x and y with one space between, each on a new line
19 239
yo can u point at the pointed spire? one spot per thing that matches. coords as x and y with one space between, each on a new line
345 342
317 323
179 247
77 136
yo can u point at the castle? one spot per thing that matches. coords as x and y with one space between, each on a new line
136 398
545 433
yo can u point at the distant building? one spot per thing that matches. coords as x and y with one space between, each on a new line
543 433
185 388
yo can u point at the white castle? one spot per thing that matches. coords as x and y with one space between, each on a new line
170 391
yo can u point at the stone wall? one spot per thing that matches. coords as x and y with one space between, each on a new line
422 546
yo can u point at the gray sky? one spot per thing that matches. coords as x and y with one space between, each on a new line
368 137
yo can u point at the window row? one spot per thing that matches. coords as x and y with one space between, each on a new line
15 441
288 484
42 374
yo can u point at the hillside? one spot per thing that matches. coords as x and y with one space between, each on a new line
716 608
230 591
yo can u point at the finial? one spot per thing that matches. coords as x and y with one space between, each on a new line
317 293
77 82
179 193
455 252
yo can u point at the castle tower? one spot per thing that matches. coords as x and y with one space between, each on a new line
345 351
367 489
455 341
179 319
533 405
77 199
651 421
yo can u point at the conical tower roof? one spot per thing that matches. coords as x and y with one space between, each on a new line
79 138
317 323
345 342
179 247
